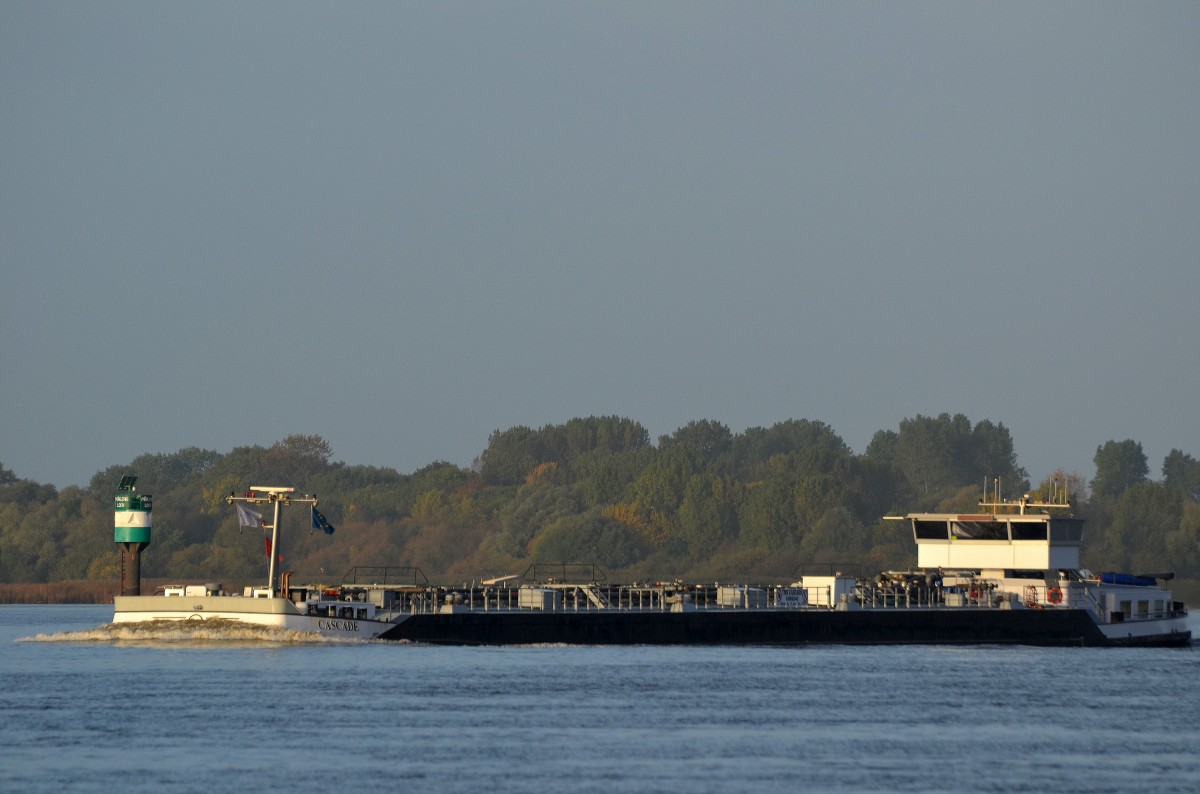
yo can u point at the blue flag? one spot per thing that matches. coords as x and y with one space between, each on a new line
320 523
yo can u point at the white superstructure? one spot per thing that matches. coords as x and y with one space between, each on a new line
1025 555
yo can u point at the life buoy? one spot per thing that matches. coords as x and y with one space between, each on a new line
1054 595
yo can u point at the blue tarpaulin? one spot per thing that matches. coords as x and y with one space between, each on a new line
1127 578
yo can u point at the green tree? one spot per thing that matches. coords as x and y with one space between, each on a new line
159 473
10 554
603 477
296 459
510 455
783 492
27 492
87 534
1182 473
767 518
1183 544
590 538
867 488
947 452
836 537
812 497
1120 465
923 453
532 509
660 485
758 445
1144 517
989 452
32 537
707 516
609 434
882 448
365 493
709 441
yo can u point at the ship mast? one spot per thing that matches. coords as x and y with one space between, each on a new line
997 503
277 496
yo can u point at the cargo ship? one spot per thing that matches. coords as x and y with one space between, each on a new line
1009 574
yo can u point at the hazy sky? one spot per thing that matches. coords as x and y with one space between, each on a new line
403 226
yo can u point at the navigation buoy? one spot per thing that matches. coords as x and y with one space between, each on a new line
132 519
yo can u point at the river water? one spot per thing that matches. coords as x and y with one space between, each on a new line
88 708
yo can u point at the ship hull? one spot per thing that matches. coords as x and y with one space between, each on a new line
1061 627
276 613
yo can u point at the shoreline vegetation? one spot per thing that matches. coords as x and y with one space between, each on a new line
702 504
84 591
75 591
71 591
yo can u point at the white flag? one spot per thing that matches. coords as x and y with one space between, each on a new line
248 517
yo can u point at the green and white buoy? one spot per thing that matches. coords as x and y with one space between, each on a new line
132 520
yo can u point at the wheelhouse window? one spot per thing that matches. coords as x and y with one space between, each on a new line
979 530
930 530
1028 530
1068 530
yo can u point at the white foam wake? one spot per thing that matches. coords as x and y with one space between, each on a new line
213 631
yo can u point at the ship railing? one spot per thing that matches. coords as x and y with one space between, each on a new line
561 597
575 597
978 595
564 573
385 575
643 598
660 597
1095 605
826 569
487 598
916 597
1041 596
1055 596
666 597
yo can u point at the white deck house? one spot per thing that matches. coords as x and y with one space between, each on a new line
996 544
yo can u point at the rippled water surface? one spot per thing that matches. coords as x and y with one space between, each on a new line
84 707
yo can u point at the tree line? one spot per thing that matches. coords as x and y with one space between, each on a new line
702 503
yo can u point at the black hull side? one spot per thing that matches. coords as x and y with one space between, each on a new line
766 627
